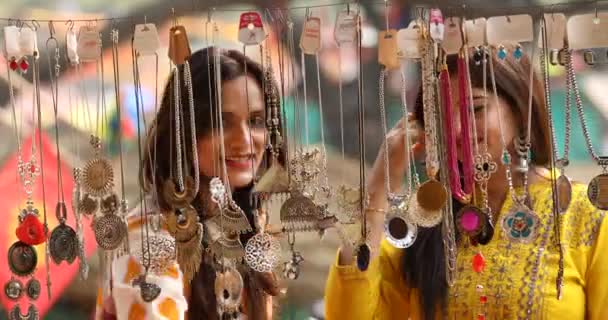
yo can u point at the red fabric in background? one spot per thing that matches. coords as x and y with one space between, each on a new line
12 198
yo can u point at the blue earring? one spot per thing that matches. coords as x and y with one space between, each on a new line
502 52
518 53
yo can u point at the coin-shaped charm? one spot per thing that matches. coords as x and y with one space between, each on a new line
22 259
110 231
98 177
63 244
431 196
33 289
597 191
13 289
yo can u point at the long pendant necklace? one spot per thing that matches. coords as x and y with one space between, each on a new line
22 256
521 223
400 232
63 242
299 212
363 250
597 191
561 187
345 34
431 196
150 250
73 60
263 251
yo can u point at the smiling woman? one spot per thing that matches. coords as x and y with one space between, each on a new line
234 148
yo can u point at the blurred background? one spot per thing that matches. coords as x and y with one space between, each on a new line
304 297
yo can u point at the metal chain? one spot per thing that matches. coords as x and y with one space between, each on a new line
178 134
189 88
579 107
432 163
382 107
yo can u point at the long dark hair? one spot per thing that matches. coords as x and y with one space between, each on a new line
158 166
424 262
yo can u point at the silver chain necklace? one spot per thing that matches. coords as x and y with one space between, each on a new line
597 191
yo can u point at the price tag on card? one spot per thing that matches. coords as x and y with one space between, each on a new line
476 32
452 40
387 49
556 31
310 41
28 42
251 29
145 39
71 43
179 46
346 27
436 27
89 44
588 31
408 42
517 28
11 42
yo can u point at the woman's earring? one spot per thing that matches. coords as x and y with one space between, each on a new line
523 153
502 52
518 53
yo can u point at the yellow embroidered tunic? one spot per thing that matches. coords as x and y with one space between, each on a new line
519 279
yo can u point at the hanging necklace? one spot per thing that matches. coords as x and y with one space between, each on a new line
154 249
182 220
473 221
345 35
521 223
73 60
562 190
263 251
363 250
400 232
63 244
22 256
597 191
299 212
431 196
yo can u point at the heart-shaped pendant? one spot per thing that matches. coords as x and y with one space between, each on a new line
31 231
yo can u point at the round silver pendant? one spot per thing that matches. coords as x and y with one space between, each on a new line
564 193
63 244
262 252
399 232
597 191
110 231
33 289
13 289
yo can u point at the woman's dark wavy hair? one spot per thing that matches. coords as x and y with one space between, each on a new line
423 263
159 158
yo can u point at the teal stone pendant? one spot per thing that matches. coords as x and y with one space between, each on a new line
502 52
521 224
518 53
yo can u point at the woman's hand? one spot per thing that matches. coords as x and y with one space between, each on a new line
398 160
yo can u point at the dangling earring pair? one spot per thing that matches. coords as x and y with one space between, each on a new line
524 153
517 53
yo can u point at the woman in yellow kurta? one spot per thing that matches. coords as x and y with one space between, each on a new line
519 279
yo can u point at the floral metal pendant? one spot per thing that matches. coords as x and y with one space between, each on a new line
520 224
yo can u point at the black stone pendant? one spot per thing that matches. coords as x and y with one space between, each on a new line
363 256
487 232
